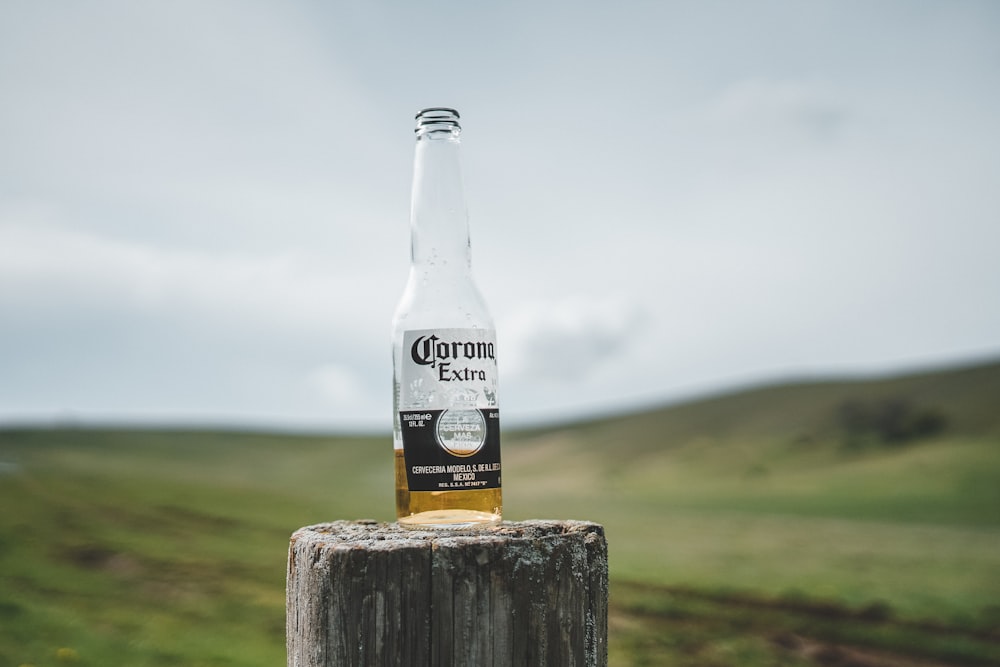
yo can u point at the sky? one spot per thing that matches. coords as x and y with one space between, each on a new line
204 206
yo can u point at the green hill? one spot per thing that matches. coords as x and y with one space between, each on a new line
968 398
744 529
920 448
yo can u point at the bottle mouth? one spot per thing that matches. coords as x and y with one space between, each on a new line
437 119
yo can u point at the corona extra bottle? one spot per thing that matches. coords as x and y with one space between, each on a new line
446 423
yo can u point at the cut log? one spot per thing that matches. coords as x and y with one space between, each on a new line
521 593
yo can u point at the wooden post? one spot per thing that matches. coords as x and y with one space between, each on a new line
519 594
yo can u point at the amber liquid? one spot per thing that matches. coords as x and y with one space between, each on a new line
443 509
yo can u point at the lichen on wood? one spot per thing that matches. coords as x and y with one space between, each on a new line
521 593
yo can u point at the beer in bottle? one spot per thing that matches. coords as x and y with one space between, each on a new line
446 424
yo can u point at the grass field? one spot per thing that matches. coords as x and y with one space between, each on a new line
749 529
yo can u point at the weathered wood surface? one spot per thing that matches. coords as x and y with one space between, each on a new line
519 594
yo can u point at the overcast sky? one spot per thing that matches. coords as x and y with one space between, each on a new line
204 206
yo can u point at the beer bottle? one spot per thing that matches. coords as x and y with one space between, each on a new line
446 424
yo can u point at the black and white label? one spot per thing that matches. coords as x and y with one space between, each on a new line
450 424
451 450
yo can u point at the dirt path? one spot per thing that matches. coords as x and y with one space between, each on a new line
683 626
837 655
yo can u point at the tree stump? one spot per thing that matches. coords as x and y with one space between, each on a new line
525 593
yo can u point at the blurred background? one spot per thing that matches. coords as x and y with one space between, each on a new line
741 256
204 208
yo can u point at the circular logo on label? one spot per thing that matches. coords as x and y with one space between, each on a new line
461 432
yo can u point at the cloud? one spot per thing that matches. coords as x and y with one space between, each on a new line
337 384
566 340
209 216
44 268
191 331
793 109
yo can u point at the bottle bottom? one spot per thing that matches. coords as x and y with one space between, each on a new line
450 519
449 510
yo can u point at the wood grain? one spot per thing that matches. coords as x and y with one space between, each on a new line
521 593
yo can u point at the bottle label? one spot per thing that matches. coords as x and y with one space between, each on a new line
449 450
449 421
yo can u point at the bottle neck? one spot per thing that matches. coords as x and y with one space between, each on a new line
438 217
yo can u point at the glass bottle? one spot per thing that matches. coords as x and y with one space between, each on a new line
446 428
